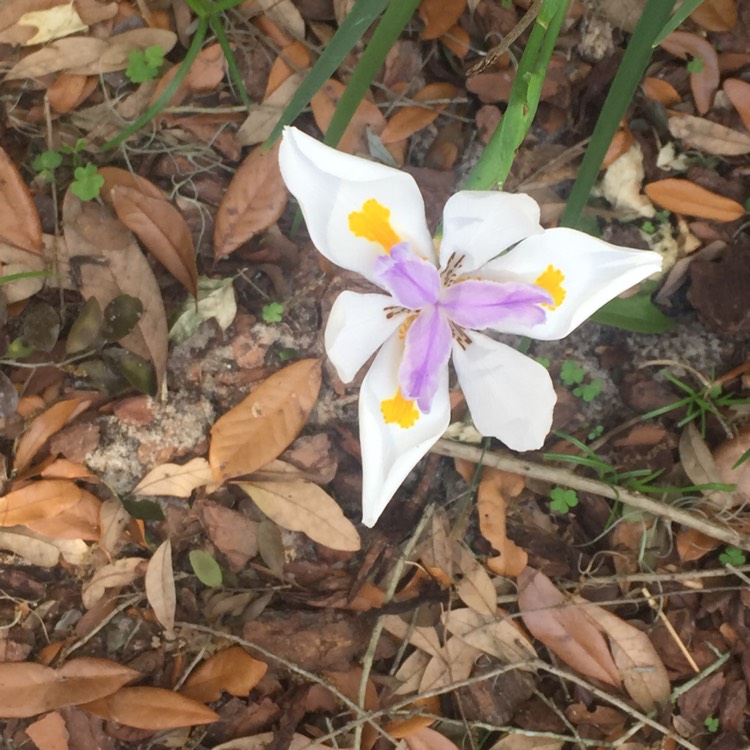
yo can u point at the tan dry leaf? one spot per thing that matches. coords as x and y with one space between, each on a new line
409 120
494 636
27 688
706 135
52 23
429 739
475 589
150 708
49 732
160 588
265 740
366 118
285 14
439 16
120 573
411 671
261 426
176 480
716 15
113 520
705 81
515 741
162 230
111 263
14 260
207 71
726 457
231 670
643 673
738 92
564 629
298 505
698 463
80 521
74 54
39 550
262 120
116 54
38 501
685 197
401 728
115 177
692 544
453 664
20 224
423 638
46 424
253 201
232 533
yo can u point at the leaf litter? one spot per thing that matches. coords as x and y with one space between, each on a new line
144 539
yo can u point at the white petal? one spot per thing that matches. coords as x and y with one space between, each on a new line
356 328
389 451
330 186
509 395
594 272
480 225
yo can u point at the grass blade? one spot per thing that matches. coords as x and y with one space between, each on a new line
349 33
687 7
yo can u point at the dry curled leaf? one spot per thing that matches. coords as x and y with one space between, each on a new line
564 628
160 588
411 119
261 426
161 229
685 197
439 16
705 81
298 505
716 15
19 220
38 501
711 137
231 670
254 200
738 92
177 480
151 708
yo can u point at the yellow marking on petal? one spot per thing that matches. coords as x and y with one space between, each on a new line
399 410
373 223
552 281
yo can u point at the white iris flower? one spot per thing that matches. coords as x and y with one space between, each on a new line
496 269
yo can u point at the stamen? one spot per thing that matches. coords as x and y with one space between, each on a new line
552 281
399 410
373 223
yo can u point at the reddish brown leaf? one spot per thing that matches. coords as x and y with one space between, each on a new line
163 231
19 220
716 15
232 670
68 90
27 688
45 425
693 544
411 119
114 177
738 92
429 739
661 91
49 733
151 708
292 58
457 40
366 117
705 81
685 197
255 198
564 628
80 521
439 16
259 428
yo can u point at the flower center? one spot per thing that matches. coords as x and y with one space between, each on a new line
551 280
373 223
399 410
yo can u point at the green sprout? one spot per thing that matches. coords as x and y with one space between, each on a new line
695 65
144 64
273 312
571 373
206 569
88 182
732 556
46 163
712 724
562 500
589 391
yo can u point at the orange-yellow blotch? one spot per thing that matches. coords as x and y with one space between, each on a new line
373 223
552 281
399 410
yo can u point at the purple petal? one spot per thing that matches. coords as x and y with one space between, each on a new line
477 304
426 353
414 282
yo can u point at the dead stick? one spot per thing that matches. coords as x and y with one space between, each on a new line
566 478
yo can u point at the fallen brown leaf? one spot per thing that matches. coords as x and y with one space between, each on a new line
705 81
738 92
160 588
19 220
49 732
685 197
711 137
409 120
231 670
439 16
716 15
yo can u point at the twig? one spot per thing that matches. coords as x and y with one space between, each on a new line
566 478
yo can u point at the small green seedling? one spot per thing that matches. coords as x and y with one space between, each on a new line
596 432
273 312
88 182
695 65
144 64
589 391
571 373
544 361
732 556
46 163
712 724
562 500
